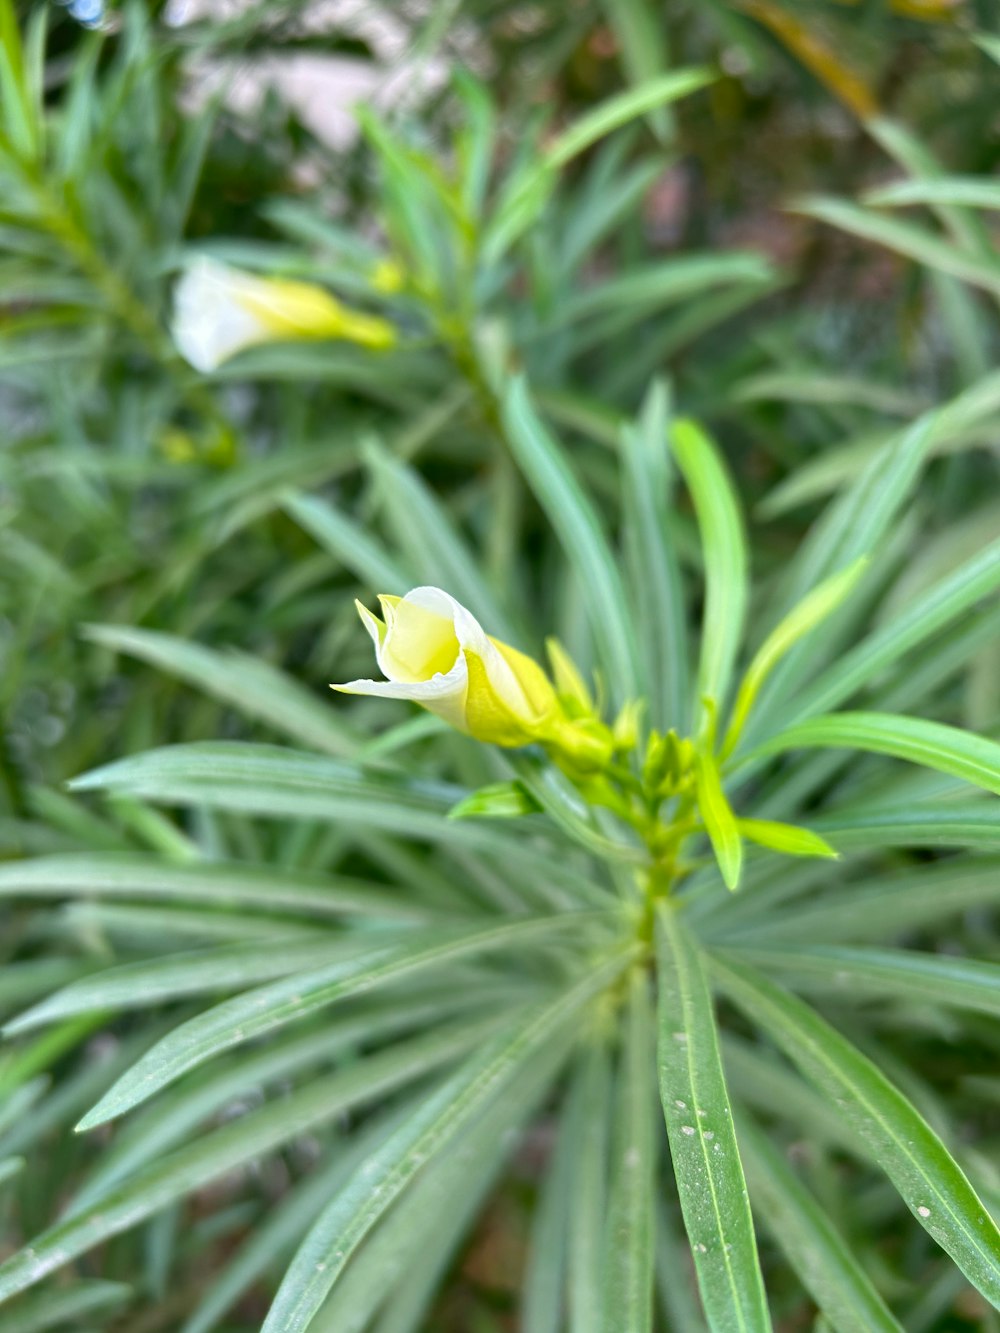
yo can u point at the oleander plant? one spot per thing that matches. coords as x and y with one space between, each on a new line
614 948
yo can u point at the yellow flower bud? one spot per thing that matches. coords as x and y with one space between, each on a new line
219 310
435 653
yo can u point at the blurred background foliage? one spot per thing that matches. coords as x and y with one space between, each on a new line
805 248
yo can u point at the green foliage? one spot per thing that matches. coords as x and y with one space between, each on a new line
318 1014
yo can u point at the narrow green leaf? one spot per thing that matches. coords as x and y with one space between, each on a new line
277 783
930 611
349 542
401 1264
590 1110
275 1236
904 238
988 43
785 838
10 1167
810 612
568 811
702 1141
268 1007
627 1283
725 557
72 1307
815 1248
655 582
572 514
953 824
930 1181
808 386
641 35
158 980
501 800
720 822
619 110
435 549
222 884
476 142
352 1214
248 684
920 897
963 983
545 1276
253 1135
529 190
965 191
855 524
947 749
171 1118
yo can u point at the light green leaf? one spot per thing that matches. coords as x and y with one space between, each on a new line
9 1168
641 35
248 684
702 1141
70 1307
932 1184
221 884
720 822
545 1276
352 1214
901 974
928 612
435 549
810 612
590 1111
904 238
265 1008
815 386
949 750
920 897
253 1135
627 1281
572 514
158 980
401 1265
655 582
965 191
855 524
567 809
619 110
275 1236
785 838
725 557
501 800
529 190
952 824
815 1248
174 1116
349 542
277 783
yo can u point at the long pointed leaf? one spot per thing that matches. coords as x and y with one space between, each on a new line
931 1182
932 744
702 1140
816 1250
352 1214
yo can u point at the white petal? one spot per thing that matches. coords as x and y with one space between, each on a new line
442 694
210 324
473 638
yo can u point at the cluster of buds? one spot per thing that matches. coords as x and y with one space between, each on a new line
435 653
